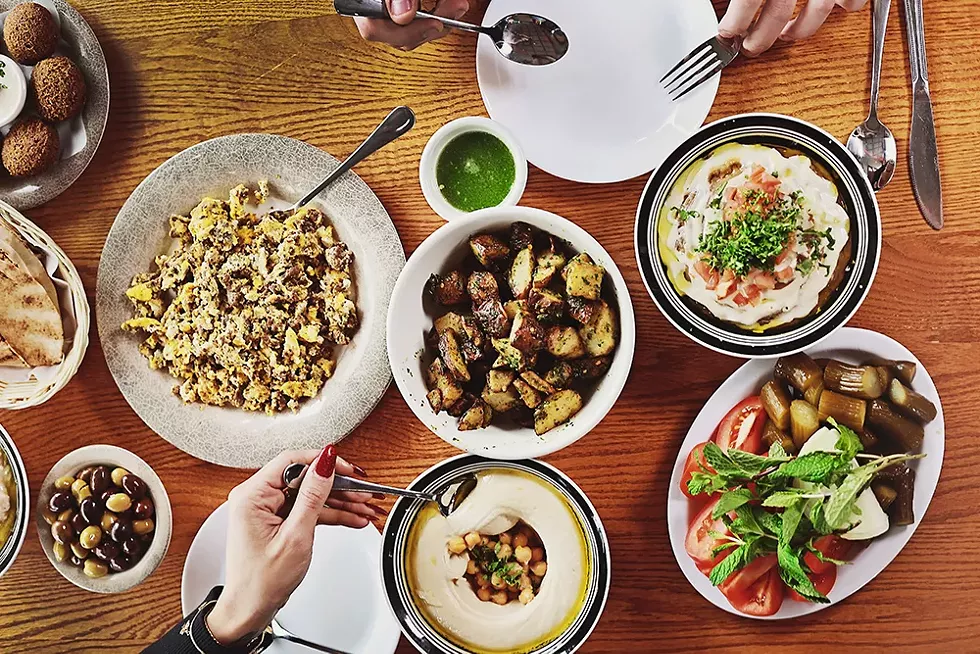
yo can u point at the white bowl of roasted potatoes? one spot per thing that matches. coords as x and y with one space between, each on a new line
511 333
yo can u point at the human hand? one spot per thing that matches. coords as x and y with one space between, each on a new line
268 556
403 31
776 21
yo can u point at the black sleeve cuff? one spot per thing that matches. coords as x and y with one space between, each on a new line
192 635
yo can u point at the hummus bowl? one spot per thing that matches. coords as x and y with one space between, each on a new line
435 597
759 236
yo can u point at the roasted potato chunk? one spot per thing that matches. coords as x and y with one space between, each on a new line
440 379
590 368
583 278
521 236
492 318
543 275
489 250
452 356
561 375
580 309
512 308
514 358
461 406
546 305
526 333
448 289
500 379
521 273
435 399
565 343
502 402
556 410
452 321
482 286
537 383
600 333
551 256
477 416
531 397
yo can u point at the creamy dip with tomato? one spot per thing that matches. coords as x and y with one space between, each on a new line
733 182
437 577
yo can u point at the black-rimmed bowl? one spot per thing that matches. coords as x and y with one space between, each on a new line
856 196
19 503
394 569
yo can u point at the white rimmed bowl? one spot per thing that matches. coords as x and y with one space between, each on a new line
851 345
19 503
411 316
15 88
113 456
438 142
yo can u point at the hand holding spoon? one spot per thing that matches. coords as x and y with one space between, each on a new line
523 38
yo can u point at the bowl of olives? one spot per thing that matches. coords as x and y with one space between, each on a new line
103 518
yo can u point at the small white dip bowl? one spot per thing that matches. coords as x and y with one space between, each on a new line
13 93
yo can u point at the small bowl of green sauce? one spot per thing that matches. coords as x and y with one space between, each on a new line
472 164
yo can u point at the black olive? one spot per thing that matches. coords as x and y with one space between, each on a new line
107 550
62 532
100 480
107 493
134 487
91 511
60 501
77 562
133 547
143 509
122 530
78 523
120 563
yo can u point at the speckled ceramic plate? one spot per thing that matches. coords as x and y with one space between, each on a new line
228 436
83 48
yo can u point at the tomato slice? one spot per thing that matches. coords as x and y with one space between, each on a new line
699 542
742 428
832 547
692 466
823 582
740 582
764 597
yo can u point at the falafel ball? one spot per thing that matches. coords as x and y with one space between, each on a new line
58 88
31 33
31 147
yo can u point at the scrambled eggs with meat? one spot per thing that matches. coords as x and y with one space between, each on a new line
247 311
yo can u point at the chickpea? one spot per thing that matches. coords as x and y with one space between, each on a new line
482 580
523 554
504 538
457 545
537 554
117 475
525 582
64 483
504 552
472 539
484 594
491 544
471 567
497 581
540 568
60 552
95 568
500 598
526 596
520 540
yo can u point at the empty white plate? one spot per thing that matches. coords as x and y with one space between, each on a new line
599 114
340 603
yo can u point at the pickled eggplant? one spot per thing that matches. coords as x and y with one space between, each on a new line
904 370
884 493
799 371
910 403
804 421
773 434
860 381
902 479
868 439
812 395
848 411
776 401
904 432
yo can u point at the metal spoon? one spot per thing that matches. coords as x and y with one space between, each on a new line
523 38
871 143
398 123
448 499
280 632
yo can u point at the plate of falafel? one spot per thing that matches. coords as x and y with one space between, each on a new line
54 99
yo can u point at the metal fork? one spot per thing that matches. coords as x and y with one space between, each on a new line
702 64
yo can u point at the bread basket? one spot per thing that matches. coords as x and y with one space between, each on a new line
42 383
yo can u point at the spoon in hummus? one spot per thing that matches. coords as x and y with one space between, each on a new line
448 499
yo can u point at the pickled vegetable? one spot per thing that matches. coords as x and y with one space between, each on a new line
910 403
859 381
776 401
904 370
868 439
849 411
812 395
904 432
799 371
884 493
773 434
902 479
804 421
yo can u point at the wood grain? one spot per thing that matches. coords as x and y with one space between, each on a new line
186 70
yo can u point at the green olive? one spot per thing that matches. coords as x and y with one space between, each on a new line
60 552
64 483
118 503
95 568
141 527
90 537
117 475
78 550
108 519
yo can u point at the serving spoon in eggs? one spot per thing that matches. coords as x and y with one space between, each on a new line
448 499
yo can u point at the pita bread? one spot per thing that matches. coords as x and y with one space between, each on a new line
30 321
9 358
12 239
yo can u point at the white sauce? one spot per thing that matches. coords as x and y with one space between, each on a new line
13 93
820 211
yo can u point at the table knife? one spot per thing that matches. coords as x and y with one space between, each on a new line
923 150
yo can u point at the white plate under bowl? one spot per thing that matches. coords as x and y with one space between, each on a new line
411 316
599 114
228 436
340 603
853 346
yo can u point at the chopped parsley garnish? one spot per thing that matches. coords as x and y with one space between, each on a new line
716 203
683 215
752 238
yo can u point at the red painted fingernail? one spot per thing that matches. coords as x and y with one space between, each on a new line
378 496
359 471
327 462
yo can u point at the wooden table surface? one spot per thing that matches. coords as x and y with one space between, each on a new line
184 71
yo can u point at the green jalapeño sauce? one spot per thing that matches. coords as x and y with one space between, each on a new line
475 170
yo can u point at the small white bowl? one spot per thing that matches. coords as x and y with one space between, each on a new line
439 140
14 90
110 455
411 316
